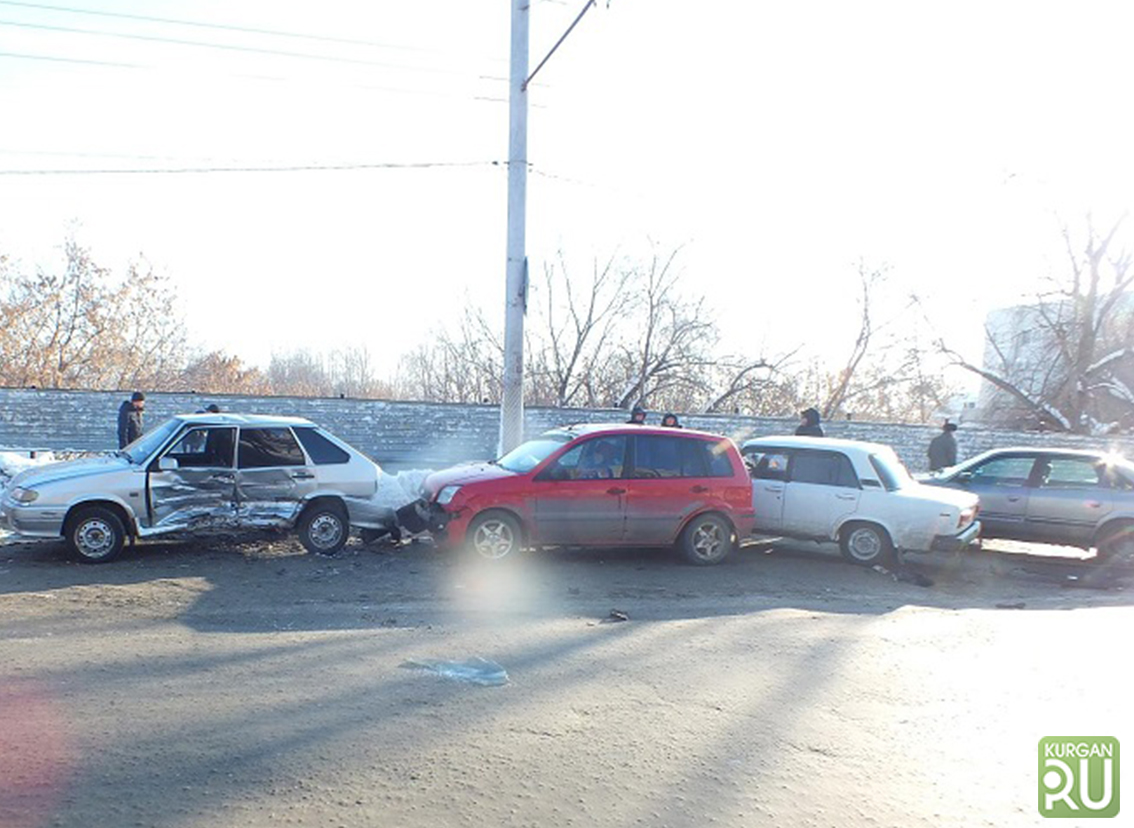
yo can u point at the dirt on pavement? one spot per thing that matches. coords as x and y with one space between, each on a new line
224 683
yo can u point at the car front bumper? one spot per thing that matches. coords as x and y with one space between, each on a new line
955 543
31 521
423 516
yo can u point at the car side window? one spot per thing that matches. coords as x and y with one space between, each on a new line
268 447
1004 471
321 450
204 448
657 457
825 468
1071 473
772 466
598 459
720 458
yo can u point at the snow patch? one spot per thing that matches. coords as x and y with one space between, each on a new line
14 462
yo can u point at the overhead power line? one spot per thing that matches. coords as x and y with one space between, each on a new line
421 165
73 60
227 27
231 47
368 87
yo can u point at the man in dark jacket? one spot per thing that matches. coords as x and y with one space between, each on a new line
130 419
637 416
943 448
809 423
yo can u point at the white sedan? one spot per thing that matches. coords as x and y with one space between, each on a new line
858 494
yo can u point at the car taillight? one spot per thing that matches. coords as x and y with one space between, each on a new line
967 516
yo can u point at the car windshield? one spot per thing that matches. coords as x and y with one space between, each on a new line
893 472
148 443
527 456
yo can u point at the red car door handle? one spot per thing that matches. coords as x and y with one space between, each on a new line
699 489
615 491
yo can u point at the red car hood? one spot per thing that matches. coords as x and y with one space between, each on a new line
460 475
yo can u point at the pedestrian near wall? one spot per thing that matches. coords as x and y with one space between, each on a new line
637 416
670 421
130 419
809 423
943 448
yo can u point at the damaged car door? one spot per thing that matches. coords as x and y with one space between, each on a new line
193 482
272 477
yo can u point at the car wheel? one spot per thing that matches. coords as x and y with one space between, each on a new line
1117 544
95 535
495 536
707 539
324 528
866 544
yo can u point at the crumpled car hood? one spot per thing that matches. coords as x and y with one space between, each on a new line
69 470
460 475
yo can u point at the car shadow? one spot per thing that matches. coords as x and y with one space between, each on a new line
268 582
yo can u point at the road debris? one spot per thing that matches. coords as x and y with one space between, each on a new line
475 670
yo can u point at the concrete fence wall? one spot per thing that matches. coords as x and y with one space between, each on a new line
432 435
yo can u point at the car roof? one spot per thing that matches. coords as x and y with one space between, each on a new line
1092 454
790 441
232 419
581 429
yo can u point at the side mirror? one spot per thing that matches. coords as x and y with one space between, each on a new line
168 463
964 477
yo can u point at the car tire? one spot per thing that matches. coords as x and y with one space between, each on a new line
95 534
1117 544
324 528
495 536
707 539
866 544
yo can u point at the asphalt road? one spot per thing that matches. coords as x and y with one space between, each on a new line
250 684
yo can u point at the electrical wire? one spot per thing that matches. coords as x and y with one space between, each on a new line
265 169
72 60
150 67
233 48
227 27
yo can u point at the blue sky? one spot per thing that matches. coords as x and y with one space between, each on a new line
777 143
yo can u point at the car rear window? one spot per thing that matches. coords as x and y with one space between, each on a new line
825 468
267 447
321 450
664 456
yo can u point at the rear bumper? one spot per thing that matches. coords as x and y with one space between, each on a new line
955 543
423 516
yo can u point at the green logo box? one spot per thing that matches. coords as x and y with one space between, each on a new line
1078 776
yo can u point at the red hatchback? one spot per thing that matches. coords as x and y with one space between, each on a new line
598 485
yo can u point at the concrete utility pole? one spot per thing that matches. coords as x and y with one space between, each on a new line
515 298
516 293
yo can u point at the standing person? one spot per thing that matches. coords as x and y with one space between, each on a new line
943 448
809 423
130 415
637 416
670 421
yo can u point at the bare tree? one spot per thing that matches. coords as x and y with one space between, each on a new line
220 373
579 324
675 341
1066 360
79 327
465 366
